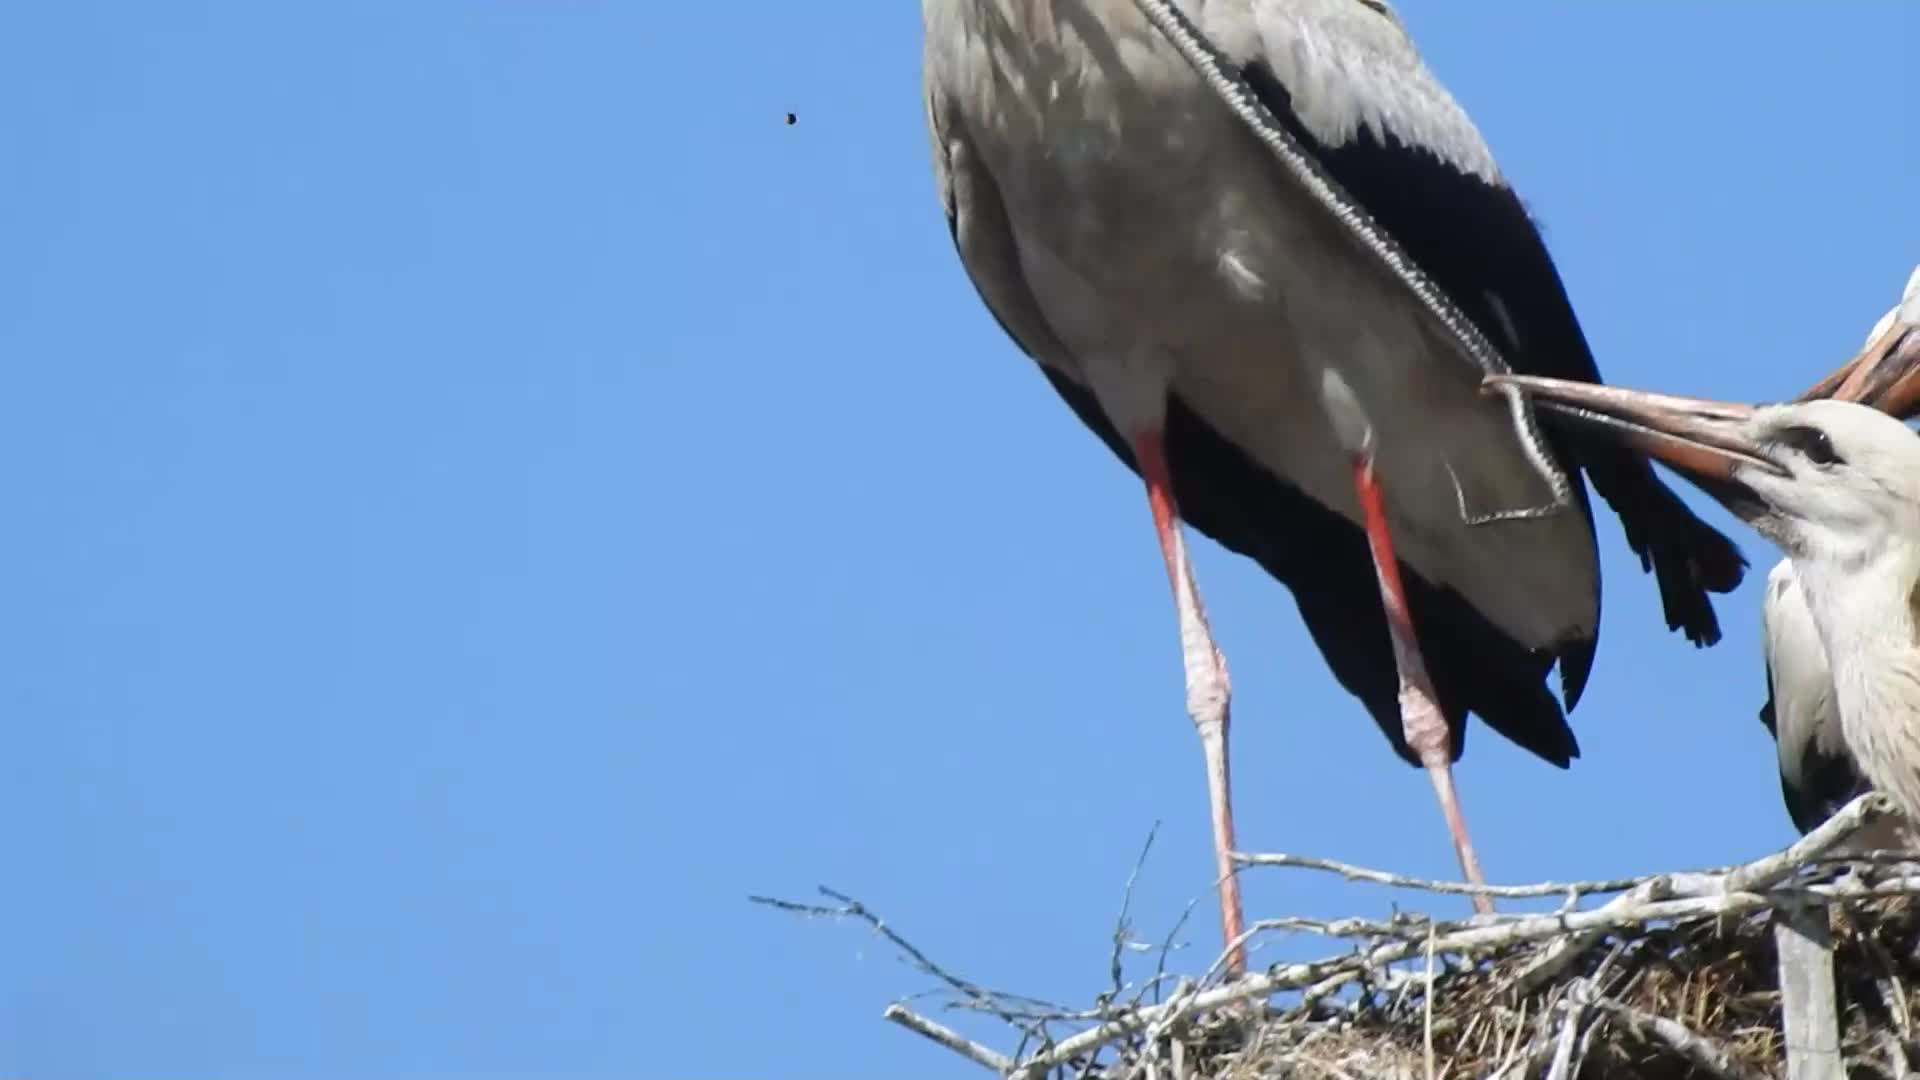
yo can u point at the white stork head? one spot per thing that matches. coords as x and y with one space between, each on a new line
1828 479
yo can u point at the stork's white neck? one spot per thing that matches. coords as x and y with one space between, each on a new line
1862 595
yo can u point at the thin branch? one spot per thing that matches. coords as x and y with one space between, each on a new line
1813 847
1563 1066
1538 1051
853 909
1452 888
1426 1006
949 1038
1167 947
1121 926
1892 993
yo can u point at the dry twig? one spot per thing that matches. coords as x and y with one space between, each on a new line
1450 888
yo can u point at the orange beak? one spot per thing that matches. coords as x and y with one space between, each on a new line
1703 440
1886 374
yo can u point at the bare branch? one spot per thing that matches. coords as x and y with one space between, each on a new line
1563 1046
1426 1006
1773 869
849 908
1167 947
1451 888
949 1038
1122 928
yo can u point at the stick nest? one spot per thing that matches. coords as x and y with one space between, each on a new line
1670 976
1713 980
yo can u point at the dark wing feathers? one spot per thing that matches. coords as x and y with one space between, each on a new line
1476 242
1814 783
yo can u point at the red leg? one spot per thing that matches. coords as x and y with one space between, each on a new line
1424 725
1209 694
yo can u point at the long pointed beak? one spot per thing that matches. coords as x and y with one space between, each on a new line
1886 375
1703 440
1830 383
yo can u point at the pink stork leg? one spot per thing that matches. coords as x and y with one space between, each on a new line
1208 692
1421 721
1420 718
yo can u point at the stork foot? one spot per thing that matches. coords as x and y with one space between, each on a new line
1440 772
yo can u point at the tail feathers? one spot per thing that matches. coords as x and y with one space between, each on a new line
1688 557
1475 668
1537 726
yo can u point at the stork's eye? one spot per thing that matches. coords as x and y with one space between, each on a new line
1812 442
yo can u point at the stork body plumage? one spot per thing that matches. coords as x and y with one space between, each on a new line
1236 338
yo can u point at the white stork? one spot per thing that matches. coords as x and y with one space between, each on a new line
1817 773
1836 486
1265 256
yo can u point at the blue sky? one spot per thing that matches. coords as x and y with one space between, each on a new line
486 495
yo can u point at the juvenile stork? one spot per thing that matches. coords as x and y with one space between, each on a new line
1818 774
1263 254
1836 486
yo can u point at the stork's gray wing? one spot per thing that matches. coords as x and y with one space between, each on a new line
1817 772
977 220
1346 82
1320 556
